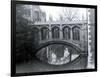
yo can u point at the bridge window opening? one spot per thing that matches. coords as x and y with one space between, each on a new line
35 34
44 33
55 33
76 33
66 33
57 54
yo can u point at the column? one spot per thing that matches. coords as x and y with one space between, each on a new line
61 32
71 34
81 32
50 32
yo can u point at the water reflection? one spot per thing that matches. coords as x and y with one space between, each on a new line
57 54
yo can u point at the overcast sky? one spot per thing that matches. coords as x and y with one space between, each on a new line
55 11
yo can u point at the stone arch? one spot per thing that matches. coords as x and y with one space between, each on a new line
44 33
76 33
66 32
55 32
80 60
79 50
35 34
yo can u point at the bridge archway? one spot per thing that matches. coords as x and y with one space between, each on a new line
82 55
58 42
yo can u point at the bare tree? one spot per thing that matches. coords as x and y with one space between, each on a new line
61 18
50 18
69 14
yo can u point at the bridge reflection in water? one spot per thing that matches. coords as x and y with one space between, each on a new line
57 54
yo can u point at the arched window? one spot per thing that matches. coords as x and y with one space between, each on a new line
55 32
44 33
66 33
35 34
76 33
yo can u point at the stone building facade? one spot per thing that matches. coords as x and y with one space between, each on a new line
91 38
33 13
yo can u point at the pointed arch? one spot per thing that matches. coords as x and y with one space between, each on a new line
44 33
66 32
55 33
36 34
76 33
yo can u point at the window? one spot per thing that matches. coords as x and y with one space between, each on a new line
55 32
76 33
36 34
66 33
44 33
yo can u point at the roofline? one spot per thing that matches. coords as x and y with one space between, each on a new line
72 22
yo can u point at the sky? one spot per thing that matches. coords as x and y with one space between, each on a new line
55 11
